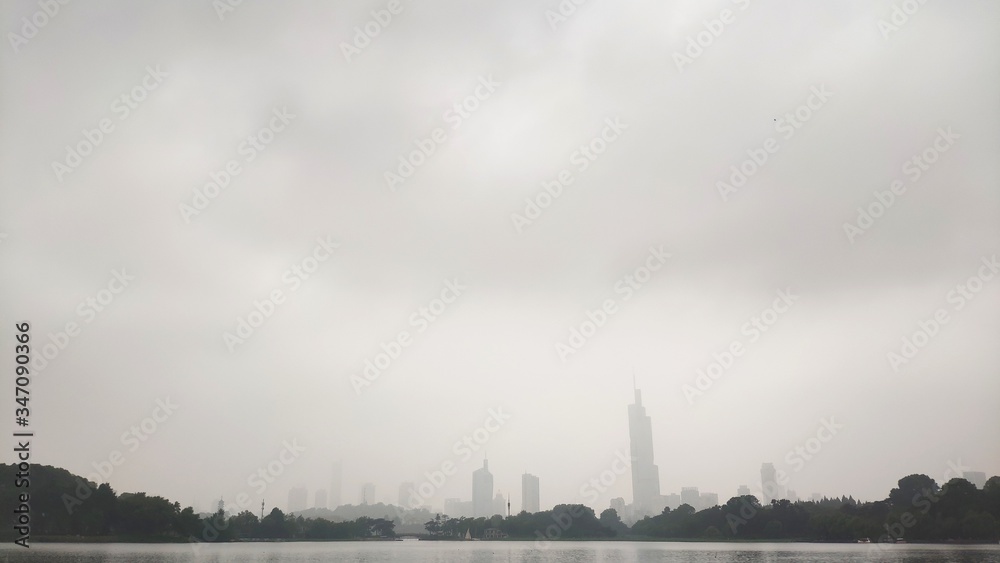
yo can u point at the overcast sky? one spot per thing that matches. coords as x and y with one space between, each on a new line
672 120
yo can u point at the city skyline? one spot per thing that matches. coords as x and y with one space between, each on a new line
245 243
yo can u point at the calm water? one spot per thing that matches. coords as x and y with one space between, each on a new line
496 552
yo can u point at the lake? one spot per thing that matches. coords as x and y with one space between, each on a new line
507 551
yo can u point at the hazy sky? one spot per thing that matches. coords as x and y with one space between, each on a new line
643 108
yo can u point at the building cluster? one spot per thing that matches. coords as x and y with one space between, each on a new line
647 500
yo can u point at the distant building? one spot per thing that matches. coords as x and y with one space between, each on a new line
457 508
482 491
769 483
708 500
333 501
529 493
816 497
499 505
367 494
645 474
673 500
320 500
743 490
618 504
690 496
977 478
792 496
406 489
297 498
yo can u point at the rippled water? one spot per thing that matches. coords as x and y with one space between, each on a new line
490 552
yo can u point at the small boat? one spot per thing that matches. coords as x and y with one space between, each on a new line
864 540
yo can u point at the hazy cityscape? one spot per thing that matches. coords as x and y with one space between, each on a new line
528 281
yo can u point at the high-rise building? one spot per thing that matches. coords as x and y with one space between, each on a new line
457 508
406 489
499 505
743 491
529 493
690 496
482 491
645 474
977 478
618 504
333 501
320 500
708 500
367 494
297 499
673 500
769 483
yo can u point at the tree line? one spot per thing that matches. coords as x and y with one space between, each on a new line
917 509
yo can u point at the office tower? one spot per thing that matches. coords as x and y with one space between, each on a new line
769 483
453 508
529 493
645 475
367 494
977 478
406 489
690 496
333 500
482 491
320 500
297 498
743 491
708 500
499 505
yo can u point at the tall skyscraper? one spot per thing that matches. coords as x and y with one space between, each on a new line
338 471
297 499
769 483
320 500
529 493
367 494
482 491
645 474
405 492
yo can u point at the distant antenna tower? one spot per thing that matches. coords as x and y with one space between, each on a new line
261 509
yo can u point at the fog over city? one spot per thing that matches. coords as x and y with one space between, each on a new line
405 236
